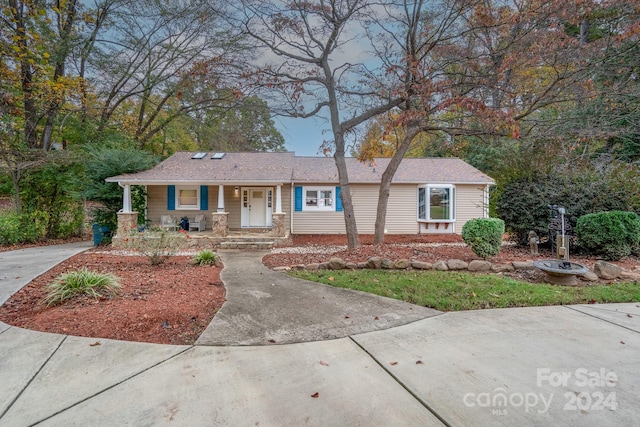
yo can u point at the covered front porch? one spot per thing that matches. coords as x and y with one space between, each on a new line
241 211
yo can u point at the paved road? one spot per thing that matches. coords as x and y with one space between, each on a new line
571 365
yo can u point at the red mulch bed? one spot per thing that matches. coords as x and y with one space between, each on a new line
174 302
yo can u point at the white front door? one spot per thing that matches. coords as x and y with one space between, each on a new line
257 207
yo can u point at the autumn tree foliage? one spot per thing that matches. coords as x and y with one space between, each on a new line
500 70
321 57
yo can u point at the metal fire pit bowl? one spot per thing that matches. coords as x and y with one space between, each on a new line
561 272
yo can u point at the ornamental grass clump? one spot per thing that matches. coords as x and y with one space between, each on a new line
205 257
483 235
157 245
81 282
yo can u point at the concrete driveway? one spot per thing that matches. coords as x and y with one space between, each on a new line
571 365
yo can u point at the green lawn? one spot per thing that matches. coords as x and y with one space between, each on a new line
453 291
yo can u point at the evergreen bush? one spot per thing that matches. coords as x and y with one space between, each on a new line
23 228
483 235
523 204
612 235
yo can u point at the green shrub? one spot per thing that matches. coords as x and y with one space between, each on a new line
205 257
612 235
81 282
483 235
523 204
24 228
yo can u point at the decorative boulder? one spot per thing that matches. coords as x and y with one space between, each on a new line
606 270
374 262
421 265
502 268
337 264
387 264
589 277
441 266
478 265
457 264
402 264
523 265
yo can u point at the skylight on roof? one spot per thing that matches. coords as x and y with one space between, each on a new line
199 156
217 156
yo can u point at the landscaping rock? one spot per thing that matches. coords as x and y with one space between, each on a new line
351 266
337 263
323 266
402 264
440 266
387 264
502 268
362 265
523 265
606 270
589 277
313 266
374 262
630 275
421 265
478 265
298 267
283 268
457 264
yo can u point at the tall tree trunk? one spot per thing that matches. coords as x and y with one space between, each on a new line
584 32
385 182
55 104
353 240
26 75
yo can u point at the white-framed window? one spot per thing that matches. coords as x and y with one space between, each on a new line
436 203
188 197
319 198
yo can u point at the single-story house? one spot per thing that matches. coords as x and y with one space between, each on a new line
292 194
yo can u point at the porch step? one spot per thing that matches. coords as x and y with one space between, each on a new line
247 244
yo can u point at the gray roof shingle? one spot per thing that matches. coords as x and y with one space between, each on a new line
287 167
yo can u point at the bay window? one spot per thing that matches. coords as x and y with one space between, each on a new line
436 203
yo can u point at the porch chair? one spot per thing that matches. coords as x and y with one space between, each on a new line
168 222
198 223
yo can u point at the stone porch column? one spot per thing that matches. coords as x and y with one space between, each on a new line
220 223
127 221
278 228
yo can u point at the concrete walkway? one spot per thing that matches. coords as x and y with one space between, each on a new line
577 365
267 307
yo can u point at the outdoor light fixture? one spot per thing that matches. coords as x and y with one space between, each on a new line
236 190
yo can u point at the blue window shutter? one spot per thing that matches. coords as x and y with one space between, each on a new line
338 200
204 198
298 199
171 197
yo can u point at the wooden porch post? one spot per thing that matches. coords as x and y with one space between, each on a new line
221 198
126 198
279 198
